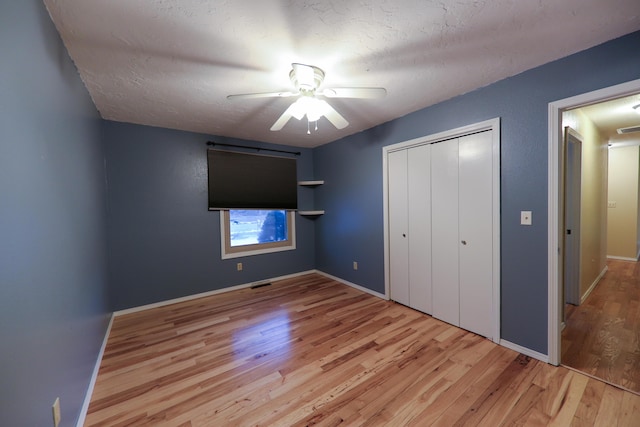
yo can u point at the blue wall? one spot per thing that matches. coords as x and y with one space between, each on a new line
352 229
53 311
163 242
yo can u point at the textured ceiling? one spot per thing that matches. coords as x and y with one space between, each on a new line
172 63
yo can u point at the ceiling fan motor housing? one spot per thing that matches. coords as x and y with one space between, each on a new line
306 78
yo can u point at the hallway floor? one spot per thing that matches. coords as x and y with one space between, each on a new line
602 335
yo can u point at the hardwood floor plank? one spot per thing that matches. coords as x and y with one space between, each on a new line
564 411
610 405
629 411
379 401
525 407
311 351
497 414
589 404
452 386
491 395
551 402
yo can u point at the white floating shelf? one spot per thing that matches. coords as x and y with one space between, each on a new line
311 213
311 184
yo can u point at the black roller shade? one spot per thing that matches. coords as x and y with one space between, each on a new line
251 181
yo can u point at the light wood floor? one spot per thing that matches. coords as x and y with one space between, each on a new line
311 351
602 335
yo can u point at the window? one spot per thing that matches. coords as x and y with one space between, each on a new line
252 232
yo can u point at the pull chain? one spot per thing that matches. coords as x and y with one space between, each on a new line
309 126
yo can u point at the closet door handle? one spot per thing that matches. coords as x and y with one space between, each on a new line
464 242
404 235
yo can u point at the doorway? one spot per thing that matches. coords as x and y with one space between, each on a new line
559 247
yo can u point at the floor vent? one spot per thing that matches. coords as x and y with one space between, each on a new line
630 129
261 285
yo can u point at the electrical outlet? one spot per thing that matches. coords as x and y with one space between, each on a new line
611 204
56 412
239 266
355 265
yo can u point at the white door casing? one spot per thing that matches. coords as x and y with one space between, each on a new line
554 230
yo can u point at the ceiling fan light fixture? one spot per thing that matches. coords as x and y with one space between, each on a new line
297 109
307 79
308 105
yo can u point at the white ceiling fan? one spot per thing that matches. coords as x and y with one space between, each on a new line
307 80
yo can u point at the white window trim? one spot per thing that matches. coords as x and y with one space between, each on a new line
224 233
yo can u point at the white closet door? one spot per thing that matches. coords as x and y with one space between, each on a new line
419 197
398 226
444 231
476 231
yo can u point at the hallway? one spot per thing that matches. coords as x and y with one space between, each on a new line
602 335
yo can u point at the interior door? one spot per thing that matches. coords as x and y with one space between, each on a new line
398 226
476 232
419 216
444 231
572 197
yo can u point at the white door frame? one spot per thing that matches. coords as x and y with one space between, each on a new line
493 125
554 238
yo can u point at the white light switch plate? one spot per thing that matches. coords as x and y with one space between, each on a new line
525 217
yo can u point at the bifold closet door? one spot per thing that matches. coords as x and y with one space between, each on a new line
476 232
441 230
444 231
419 213
398 226
410 226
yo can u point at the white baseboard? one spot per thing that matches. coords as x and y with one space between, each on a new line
526 351
208 293
353 285
593 285
622 258
94 377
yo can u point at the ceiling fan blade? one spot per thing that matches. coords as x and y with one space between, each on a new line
263 95
279 124
333 116
355 92
284 118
